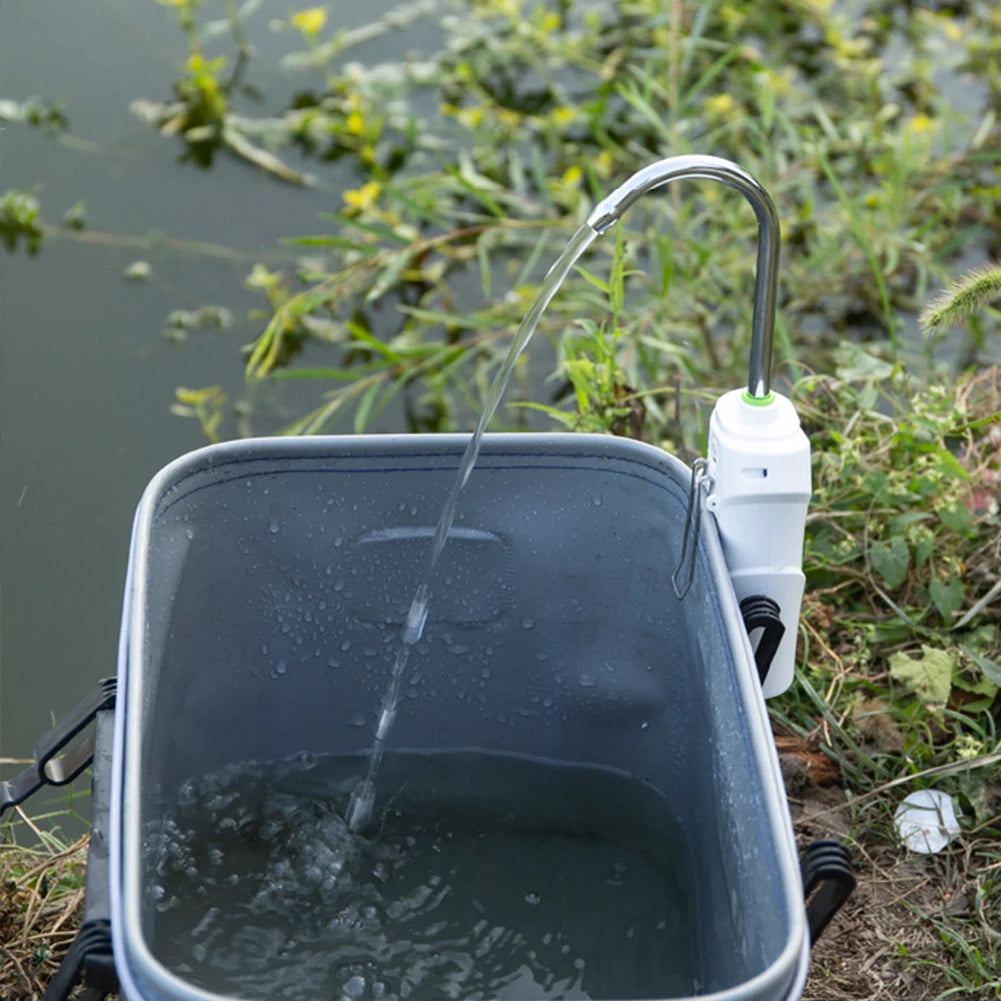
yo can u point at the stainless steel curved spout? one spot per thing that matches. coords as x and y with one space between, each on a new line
609 210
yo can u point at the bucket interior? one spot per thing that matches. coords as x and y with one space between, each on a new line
560 693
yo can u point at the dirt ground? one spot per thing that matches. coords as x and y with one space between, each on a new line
882 944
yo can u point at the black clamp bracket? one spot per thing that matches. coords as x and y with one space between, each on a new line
89 960
62 752
763 613
828 881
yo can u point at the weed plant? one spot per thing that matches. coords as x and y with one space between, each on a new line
473 163
42 888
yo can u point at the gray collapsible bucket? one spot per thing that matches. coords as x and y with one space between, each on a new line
268 581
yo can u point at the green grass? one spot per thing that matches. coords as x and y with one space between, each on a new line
42 885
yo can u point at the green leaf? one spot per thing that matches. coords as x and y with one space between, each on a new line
923 549
365 407
956 517
365 337
890 560
950 466
868 396
594 280
389 276
928 677
904 521
857 365
991 668
947 595
982 686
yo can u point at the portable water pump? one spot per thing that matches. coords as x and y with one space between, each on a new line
757 471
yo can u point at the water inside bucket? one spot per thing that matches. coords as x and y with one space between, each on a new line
359 809
484 876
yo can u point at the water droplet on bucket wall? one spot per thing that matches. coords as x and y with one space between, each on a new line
532 898
273 526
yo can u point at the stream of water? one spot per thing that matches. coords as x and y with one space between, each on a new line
360 807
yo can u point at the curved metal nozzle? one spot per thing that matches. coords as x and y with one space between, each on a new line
609 210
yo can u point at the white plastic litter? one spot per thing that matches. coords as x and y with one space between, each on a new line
926 821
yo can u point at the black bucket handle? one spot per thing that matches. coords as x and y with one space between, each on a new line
63 751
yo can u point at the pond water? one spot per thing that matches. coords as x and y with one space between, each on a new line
87 375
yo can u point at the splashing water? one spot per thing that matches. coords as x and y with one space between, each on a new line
257 890
360 807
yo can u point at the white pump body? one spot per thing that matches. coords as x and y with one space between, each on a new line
759 459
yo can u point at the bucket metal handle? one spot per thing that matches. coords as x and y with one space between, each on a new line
714 168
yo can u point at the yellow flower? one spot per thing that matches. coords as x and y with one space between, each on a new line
197 65
563 116
549 22
364 197
603 164
733 16
355 123
950 29
571 176
720 106
779 83
472 116
968 747
921 123
310 21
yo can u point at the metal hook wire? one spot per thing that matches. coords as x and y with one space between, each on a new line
700 481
